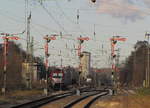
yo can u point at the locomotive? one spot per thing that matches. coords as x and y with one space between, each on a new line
56 78
62 77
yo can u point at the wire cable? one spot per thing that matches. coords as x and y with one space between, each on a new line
52 17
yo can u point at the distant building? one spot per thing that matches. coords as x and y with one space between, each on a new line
29 72
85 61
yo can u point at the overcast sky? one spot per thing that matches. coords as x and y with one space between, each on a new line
126 18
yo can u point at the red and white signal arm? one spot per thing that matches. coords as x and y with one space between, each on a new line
53 38
11 38
83 38
118 39
50 38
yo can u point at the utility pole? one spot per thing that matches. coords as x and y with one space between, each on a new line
27 20
29 49
6 38
47 41
117 64
61 61
148 64
28 42
31 61
114 40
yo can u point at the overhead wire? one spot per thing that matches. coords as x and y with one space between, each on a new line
58 23
64 15
52 17
23 22
17 19
68 18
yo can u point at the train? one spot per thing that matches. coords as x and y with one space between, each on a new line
56 78
62 77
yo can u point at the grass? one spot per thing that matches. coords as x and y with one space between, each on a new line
23 93
3 99
143 91
20 94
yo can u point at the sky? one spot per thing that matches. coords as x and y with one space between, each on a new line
126 18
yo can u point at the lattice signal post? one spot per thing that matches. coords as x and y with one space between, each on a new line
81 40
6 37
47 41
115 69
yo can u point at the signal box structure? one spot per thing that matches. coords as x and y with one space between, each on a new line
85 66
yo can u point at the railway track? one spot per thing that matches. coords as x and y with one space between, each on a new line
49 99
43 101
88 105
82 101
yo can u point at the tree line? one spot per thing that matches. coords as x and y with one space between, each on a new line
133 73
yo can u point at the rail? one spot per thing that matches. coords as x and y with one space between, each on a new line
82 98
42 101
48 99
94 99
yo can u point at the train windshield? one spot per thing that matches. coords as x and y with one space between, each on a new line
54 75
59 75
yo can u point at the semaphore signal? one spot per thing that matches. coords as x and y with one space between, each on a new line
48 39
6 37
114 67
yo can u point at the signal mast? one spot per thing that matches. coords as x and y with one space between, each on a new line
47 41
6 37
115 69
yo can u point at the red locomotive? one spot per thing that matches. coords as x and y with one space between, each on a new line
56 78
62 77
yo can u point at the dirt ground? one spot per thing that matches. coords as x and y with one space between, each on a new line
124 101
